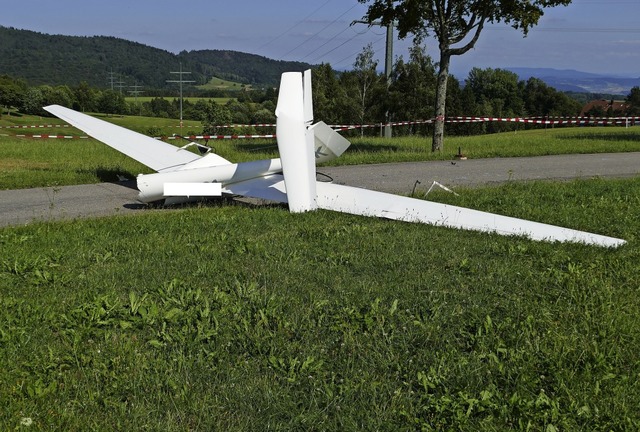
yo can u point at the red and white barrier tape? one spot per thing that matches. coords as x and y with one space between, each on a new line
34 126
46 136
599 121
210 137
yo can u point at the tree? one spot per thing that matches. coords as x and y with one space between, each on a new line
326 93
457 25
111 102
32 101
11 92
498 92
365 72
214 115
542 100
411 94
633 99
85 97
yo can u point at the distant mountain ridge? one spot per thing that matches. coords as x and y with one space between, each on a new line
57 60
98 60
577 81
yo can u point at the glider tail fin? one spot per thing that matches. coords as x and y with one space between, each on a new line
295 143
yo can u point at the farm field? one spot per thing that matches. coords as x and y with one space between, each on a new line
221 84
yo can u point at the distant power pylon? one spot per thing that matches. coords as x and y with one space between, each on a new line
135 92
120 84
112 78
181 81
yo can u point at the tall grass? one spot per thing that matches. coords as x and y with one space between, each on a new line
239 318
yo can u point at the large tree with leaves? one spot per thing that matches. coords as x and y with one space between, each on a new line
456 25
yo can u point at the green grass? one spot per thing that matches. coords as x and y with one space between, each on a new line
535 142
34 163
238 318
27 163
221 84
143 124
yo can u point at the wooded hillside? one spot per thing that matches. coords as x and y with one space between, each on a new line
69 60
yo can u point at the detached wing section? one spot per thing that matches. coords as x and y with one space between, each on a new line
371 203
157 155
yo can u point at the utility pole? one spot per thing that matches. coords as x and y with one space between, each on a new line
112 78
388 65
135 92
180 81
120 84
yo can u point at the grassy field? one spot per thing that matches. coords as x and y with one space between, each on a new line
221 84
228 317
235 318
26 162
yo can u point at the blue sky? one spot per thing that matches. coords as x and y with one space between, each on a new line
599 36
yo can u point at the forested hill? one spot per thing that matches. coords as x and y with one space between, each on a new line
54 59
240 67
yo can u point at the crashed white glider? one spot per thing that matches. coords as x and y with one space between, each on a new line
181 174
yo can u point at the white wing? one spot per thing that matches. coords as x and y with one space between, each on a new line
155 154
371 203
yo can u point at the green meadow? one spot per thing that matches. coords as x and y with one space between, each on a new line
28 162
227 317
231 317
221 84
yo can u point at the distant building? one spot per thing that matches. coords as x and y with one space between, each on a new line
604 107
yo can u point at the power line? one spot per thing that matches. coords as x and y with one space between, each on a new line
320 31
356 34
353 55
326 43
292 27
573 29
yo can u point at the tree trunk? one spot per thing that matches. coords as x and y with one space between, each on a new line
441 99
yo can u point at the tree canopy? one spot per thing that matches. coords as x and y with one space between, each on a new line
456 25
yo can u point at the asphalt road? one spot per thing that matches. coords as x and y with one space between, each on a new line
19 207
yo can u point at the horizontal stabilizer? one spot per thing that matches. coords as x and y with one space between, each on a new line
328 144
157 155
371 203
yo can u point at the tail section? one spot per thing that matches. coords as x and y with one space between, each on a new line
328 144
295 144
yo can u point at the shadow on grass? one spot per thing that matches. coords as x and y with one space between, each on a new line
627 136
110 175
207 202
374 148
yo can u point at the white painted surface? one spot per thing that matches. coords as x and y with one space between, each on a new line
371 203
192 189
296 149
